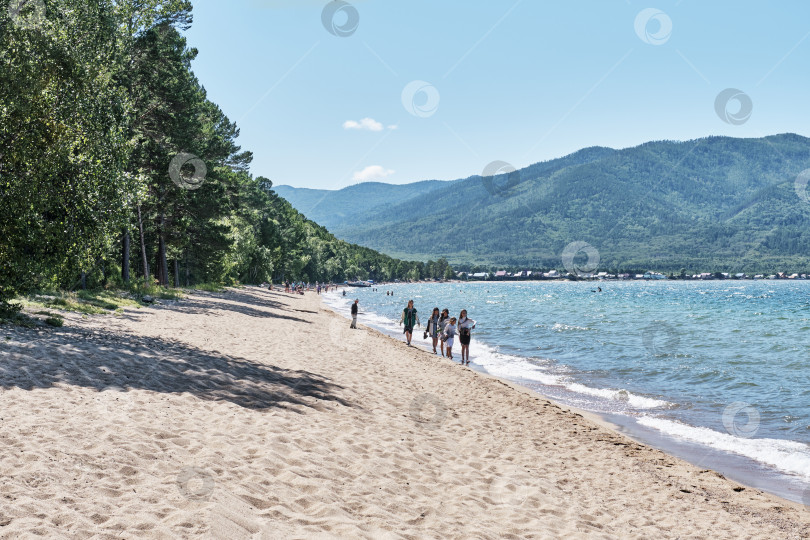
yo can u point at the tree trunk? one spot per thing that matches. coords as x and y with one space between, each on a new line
143 248
125 256
84 280
176 273
163 268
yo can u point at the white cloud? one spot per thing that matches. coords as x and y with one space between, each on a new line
367 124
372 172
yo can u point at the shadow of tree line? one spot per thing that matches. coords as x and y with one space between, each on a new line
102 359
257 303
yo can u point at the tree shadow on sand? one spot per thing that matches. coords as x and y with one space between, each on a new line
258 302
106 360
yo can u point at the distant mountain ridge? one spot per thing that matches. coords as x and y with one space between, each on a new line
717 203
334 208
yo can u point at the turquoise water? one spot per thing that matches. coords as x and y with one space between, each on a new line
719 364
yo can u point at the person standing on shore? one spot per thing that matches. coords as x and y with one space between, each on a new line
433 328
354 313
465 326
410 319
448 337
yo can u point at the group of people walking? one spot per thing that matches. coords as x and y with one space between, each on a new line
442 329
301 286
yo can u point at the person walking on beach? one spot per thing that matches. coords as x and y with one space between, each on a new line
411 319
465 326
443 320
448 337
433 328
354 313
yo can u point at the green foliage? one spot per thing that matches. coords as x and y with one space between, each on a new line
97 101
9 310
55 321
61 179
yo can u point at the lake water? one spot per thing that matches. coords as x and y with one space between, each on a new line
717 371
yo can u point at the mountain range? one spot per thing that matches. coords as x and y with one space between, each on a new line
710 204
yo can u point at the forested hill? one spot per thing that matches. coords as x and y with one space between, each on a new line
335 209
116 168
331 208
712 204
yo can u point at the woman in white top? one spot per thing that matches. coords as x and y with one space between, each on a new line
465 326
449 335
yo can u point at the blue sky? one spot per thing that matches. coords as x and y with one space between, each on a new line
517 81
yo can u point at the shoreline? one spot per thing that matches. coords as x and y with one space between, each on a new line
687 438
735 467
260 414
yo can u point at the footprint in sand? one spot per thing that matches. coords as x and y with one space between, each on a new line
509 488
428 411
113 404
345 338
195 483
35 480
514 485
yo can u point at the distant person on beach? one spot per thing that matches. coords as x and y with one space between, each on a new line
448 337
433 328
444 318
354 313
465 326
410 319
344 292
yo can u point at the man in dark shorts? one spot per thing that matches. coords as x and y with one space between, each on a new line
410 319
354 314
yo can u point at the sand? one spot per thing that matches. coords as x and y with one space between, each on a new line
258 414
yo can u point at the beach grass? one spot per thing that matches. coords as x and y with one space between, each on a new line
85 302
47 303
209 287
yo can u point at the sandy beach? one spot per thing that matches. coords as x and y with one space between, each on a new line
258 414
